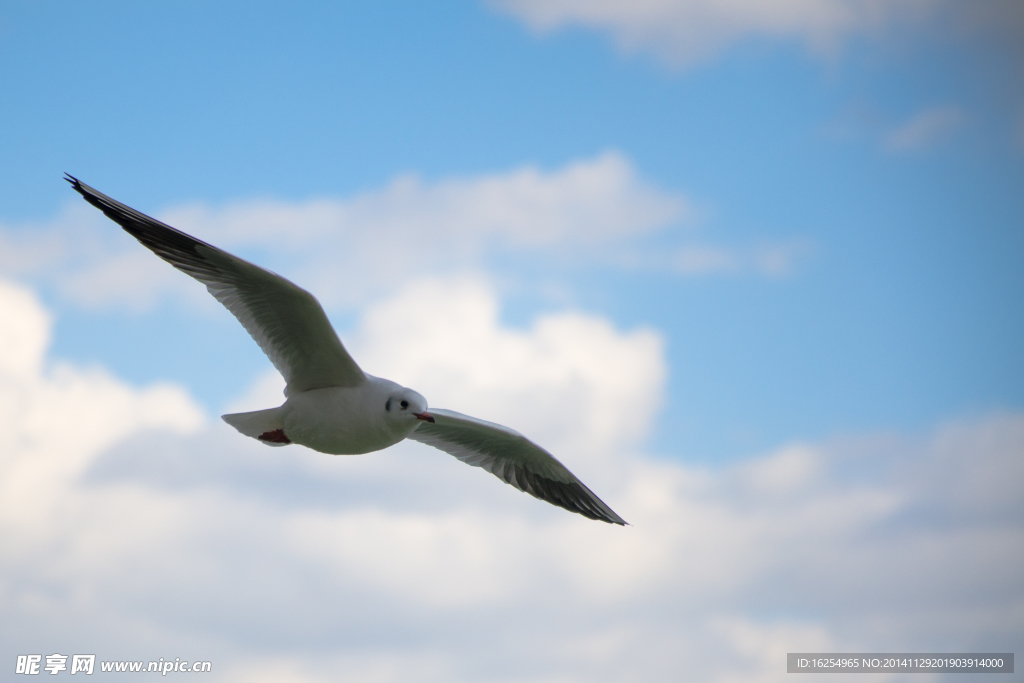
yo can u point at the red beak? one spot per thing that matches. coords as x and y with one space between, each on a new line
425 416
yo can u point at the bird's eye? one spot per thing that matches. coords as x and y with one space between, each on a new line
405 404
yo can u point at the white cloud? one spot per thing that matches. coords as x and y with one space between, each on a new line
758 649
87 262
22 252
127 279
407 565
684 32
55 417
351 251
925 129
25 334
378 241
444 338
585 202
771 260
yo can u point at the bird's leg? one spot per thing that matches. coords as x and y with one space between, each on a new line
276 436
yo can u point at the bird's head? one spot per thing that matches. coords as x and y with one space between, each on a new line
406 406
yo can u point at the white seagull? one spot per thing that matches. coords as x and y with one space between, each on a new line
331 405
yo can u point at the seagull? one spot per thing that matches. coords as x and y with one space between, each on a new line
331 405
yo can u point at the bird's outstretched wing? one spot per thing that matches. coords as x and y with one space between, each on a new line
512 457
286 321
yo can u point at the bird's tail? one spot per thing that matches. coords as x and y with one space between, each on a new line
265 425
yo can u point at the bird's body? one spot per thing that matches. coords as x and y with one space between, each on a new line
347 420
332 406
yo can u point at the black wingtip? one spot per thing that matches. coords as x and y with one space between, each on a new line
89 194
617 520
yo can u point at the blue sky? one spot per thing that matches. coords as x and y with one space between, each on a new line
760 238
902 305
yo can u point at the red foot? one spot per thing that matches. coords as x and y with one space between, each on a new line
276 436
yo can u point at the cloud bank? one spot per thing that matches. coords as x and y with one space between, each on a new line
136 528
685 32
593 213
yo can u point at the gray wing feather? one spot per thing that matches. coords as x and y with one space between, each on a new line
514 459
285 320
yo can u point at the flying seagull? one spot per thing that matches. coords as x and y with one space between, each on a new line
331 405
